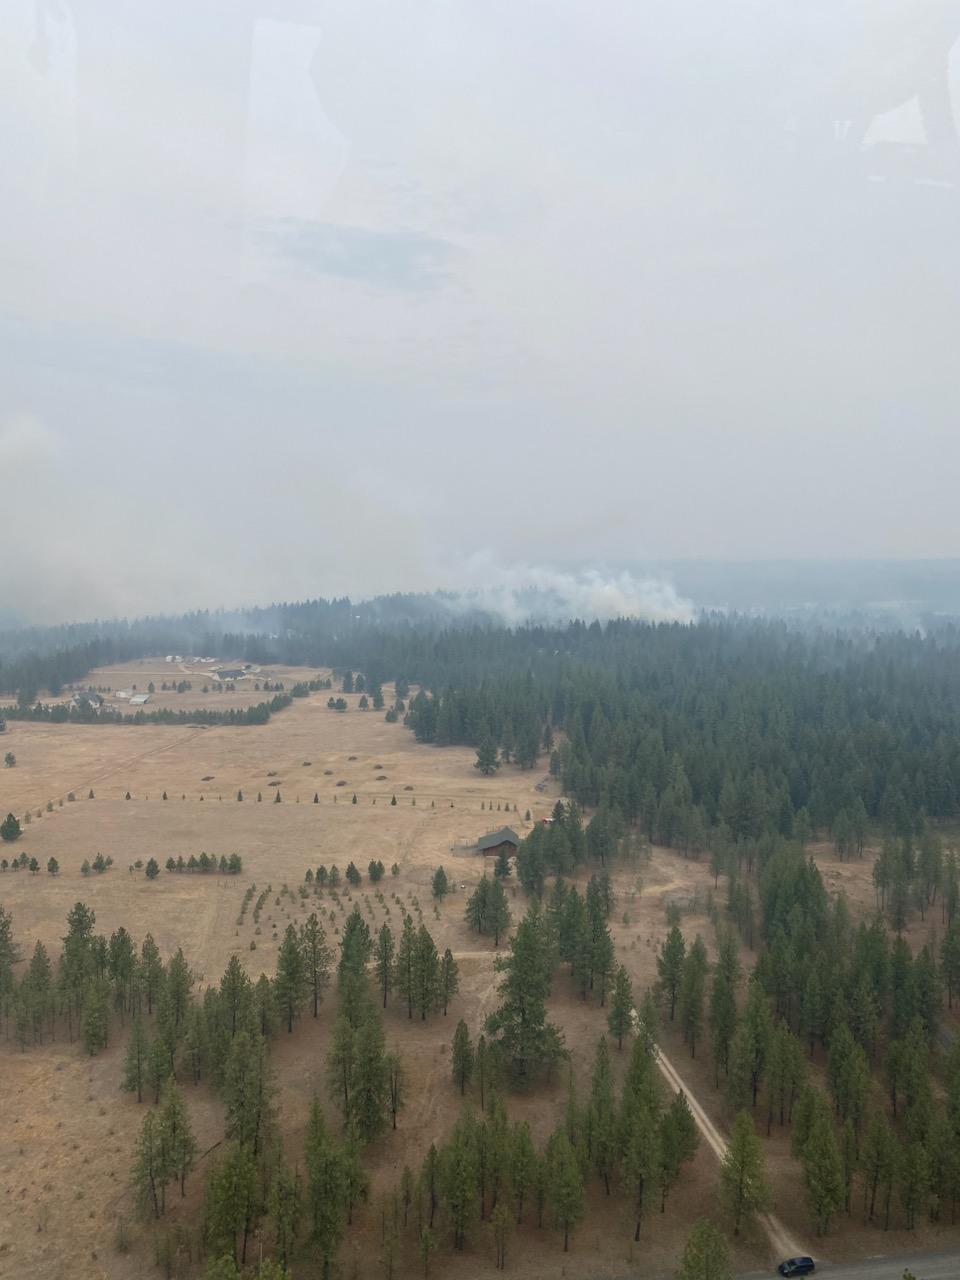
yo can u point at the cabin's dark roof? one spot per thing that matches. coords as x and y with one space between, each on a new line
506 835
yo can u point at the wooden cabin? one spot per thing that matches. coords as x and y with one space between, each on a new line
495 841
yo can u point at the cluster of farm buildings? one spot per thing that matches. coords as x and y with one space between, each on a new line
88 699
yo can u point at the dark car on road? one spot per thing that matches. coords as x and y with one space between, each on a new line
796 1267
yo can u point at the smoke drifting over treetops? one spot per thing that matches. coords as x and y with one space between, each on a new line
84 552
520 593
127 542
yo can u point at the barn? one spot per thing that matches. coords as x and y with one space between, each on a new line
496 841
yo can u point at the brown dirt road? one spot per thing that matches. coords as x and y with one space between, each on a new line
783 1244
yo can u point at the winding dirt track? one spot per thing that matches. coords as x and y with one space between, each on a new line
783 1244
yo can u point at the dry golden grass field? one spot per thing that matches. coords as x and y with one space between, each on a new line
68 1131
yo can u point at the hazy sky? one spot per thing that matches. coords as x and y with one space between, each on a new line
301 297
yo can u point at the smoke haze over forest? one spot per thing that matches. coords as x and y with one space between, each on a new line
311 298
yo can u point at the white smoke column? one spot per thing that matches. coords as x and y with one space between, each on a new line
522 593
